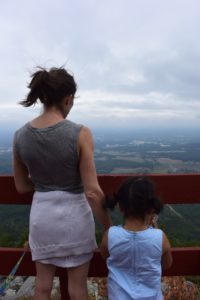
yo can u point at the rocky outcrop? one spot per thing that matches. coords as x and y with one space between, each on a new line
178 288
174 288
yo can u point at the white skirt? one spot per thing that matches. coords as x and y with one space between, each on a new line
62 229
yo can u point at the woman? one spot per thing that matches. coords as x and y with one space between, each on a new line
54 158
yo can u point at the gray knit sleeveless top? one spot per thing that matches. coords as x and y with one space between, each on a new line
51 156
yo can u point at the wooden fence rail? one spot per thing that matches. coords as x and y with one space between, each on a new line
173 189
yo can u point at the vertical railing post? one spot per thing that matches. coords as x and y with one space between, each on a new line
64 286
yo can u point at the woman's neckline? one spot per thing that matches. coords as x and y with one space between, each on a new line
54 125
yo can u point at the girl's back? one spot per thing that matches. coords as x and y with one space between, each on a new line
134 264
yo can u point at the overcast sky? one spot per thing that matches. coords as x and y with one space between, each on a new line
137 63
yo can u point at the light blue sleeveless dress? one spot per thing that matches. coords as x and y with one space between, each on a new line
134 264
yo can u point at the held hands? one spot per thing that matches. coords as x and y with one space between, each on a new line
96 201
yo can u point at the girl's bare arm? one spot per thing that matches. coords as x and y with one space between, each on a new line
104 245
166 255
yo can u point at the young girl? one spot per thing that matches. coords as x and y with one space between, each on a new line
136 252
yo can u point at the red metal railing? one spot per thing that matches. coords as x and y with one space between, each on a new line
174 189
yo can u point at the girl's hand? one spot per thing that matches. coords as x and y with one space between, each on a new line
154 221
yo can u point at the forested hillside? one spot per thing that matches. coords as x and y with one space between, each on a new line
137 154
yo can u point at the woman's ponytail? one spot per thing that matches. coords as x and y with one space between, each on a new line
50 87
37 87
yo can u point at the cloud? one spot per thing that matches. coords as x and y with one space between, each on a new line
151 109
129 57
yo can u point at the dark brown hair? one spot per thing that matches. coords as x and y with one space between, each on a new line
136 198
50 87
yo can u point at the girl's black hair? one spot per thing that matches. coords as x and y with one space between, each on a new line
50 87
136 197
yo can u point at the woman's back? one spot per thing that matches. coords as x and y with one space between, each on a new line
134 263
51 155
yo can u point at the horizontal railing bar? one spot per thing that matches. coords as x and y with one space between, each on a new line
176 188
186 261
172 188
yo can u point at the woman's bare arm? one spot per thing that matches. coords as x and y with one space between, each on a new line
23 183
93 192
